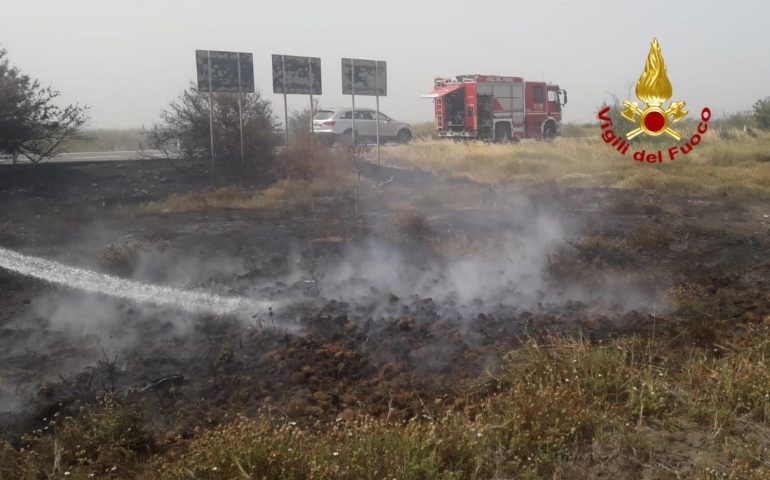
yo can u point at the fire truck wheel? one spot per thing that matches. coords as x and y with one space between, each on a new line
404 136
502 133
549 132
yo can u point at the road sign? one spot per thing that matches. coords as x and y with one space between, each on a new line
300 75
365 77
368 77
296 75
225 71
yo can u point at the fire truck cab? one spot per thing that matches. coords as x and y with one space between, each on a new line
490 107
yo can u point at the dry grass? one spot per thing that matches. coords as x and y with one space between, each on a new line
284 194
411 224
423 130
304 178
738 166
559 407
557 402
108 440
301 162
105 140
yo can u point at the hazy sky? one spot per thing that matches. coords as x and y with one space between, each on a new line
128 59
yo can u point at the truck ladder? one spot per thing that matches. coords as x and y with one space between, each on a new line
439 108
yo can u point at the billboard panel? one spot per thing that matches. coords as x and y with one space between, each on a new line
226 69
370 77
296 74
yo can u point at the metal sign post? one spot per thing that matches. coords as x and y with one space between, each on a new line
312 127
285 105
296 75
240 107
211 114
231 72
353 98
377 100
366 77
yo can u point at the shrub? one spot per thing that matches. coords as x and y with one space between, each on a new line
762 113
184 132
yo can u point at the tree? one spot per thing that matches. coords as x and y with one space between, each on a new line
31 125
183 130
762 113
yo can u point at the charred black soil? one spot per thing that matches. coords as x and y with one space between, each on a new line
400 331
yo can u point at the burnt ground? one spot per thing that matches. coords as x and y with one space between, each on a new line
393 342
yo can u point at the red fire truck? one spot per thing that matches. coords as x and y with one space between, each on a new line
496 108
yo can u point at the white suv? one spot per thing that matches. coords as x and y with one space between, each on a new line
336 125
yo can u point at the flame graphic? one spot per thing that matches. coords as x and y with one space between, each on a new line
653 87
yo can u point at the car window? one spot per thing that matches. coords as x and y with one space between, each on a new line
364 116
323 114
346 115
384 117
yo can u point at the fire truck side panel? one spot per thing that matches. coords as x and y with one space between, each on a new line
518 108
471 119
515 112
535 108
507 101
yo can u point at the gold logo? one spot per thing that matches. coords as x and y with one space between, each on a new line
654 89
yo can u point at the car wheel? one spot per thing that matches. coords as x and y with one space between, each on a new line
404 136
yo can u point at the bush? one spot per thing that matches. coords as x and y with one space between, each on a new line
762 113
31 126
183 132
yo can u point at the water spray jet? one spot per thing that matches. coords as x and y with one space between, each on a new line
93 282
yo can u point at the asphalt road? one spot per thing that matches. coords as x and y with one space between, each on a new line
128 155
118 156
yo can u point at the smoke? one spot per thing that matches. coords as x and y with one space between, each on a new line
506 266
509 271
503 266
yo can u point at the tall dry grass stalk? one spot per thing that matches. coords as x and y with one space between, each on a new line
732 163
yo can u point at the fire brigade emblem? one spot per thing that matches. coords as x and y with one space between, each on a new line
654 89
